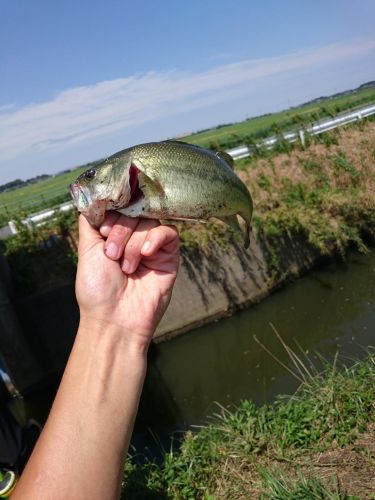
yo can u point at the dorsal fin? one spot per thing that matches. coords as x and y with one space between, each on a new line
223 155
226 157
178 142
182 143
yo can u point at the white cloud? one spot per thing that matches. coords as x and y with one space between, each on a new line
86 112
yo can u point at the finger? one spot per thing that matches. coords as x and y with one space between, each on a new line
119 236
110 220
132 251
162 237
88 234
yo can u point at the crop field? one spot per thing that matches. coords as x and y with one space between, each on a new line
52 191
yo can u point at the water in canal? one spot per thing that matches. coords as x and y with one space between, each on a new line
331 309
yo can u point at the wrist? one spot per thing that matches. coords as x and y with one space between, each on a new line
97 331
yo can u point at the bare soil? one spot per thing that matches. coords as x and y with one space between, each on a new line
353 467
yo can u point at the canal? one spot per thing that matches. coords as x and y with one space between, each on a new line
330 310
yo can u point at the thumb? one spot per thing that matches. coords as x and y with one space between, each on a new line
88 234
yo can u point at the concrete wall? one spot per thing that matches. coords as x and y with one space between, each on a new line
208 288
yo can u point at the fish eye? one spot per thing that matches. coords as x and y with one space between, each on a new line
90 174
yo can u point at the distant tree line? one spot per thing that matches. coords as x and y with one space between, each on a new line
17 183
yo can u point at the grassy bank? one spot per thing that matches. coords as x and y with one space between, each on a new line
317 444
326 190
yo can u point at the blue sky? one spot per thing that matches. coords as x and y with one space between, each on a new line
80 80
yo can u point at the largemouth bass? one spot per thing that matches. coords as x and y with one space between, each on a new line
165 180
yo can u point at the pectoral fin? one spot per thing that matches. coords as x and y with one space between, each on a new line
150 187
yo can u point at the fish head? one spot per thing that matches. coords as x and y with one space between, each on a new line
109 186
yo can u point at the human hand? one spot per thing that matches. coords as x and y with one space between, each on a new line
125 274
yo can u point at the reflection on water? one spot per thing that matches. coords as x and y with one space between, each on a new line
330 309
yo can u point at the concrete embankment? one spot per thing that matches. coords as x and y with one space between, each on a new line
230 278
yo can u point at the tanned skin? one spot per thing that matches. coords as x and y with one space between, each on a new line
125 276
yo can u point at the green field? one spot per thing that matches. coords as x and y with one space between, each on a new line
52 191
263 126
34 197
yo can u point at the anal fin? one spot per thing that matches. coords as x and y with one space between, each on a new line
232 221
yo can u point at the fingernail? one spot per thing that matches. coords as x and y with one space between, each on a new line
125 266
111 250
146 246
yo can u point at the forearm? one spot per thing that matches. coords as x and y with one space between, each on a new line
81 450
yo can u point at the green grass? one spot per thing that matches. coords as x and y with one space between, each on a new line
236 454
280 486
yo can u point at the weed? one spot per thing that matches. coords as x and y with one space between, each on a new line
263 182
328 139
341 162
293 193
277 485
333 405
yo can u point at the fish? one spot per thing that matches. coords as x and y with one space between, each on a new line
167 180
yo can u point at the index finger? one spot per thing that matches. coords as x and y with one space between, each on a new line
119 230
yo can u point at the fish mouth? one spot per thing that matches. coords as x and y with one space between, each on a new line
94 211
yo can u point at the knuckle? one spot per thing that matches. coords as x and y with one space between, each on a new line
119 232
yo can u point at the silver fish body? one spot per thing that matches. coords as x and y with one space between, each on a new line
164 180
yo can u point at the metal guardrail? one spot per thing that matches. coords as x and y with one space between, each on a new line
316 128
35 219
237 153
